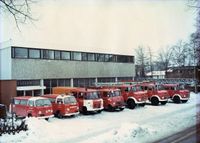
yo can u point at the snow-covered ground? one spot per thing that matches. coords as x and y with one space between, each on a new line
143 124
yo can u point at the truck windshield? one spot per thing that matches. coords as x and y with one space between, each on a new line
160 87
180 87
113 93
42 102
91 95
139 88
117 93
69 100
134 89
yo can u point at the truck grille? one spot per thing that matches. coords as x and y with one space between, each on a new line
96 105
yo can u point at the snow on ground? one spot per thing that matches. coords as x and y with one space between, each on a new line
143 124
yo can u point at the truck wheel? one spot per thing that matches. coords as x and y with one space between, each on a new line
184 101
131 104
154 101
46 119
99 111
143 104
29 115
176 99
163 102
110 108
58 114
84 110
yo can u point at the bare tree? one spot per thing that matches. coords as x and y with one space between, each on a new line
141 60
19 9
150 60
179 54
164 58
191 54
195 37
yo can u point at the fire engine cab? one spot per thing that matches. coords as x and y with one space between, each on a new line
112 99
177 93
88 99
39 107
63 105
156 93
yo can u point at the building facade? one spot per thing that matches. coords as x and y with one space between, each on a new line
37 70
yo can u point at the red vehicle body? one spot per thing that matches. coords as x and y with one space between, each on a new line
63 105
88 99
177 93
32 107
132 94
156 94
112 99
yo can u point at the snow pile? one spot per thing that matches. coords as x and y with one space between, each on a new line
126 133
33 129
130 132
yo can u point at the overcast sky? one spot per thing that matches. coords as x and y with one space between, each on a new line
108 26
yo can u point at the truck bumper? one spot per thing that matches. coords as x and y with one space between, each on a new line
70 114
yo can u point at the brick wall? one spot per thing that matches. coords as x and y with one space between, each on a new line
7 91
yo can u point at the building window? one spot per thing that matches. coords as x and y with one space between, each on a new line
48 54
84 57
106 79
33 53
84 82
50 83
100 57
125 59
65 55
109 58
21 53
91 57
57 55
76 56
28 82
125 79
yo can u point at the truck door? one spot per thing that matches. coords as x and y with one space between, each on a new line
23 107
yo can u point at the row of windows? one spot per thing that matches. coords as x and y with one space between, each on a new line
28 82
18 52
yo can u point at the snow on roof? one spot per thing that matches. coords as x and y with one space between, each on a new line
156 73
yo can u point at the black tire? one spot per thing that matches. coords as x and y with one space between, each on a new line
142 105
121 109
176 99
58 114
110 108
99 111
184 101
154 101
46 119
84 111
29 115
163 102
131 104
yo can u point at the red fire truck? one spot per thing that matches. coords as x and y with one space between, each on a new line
88 99
112 99
156 93
132 94
32 107
63 105
177 93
